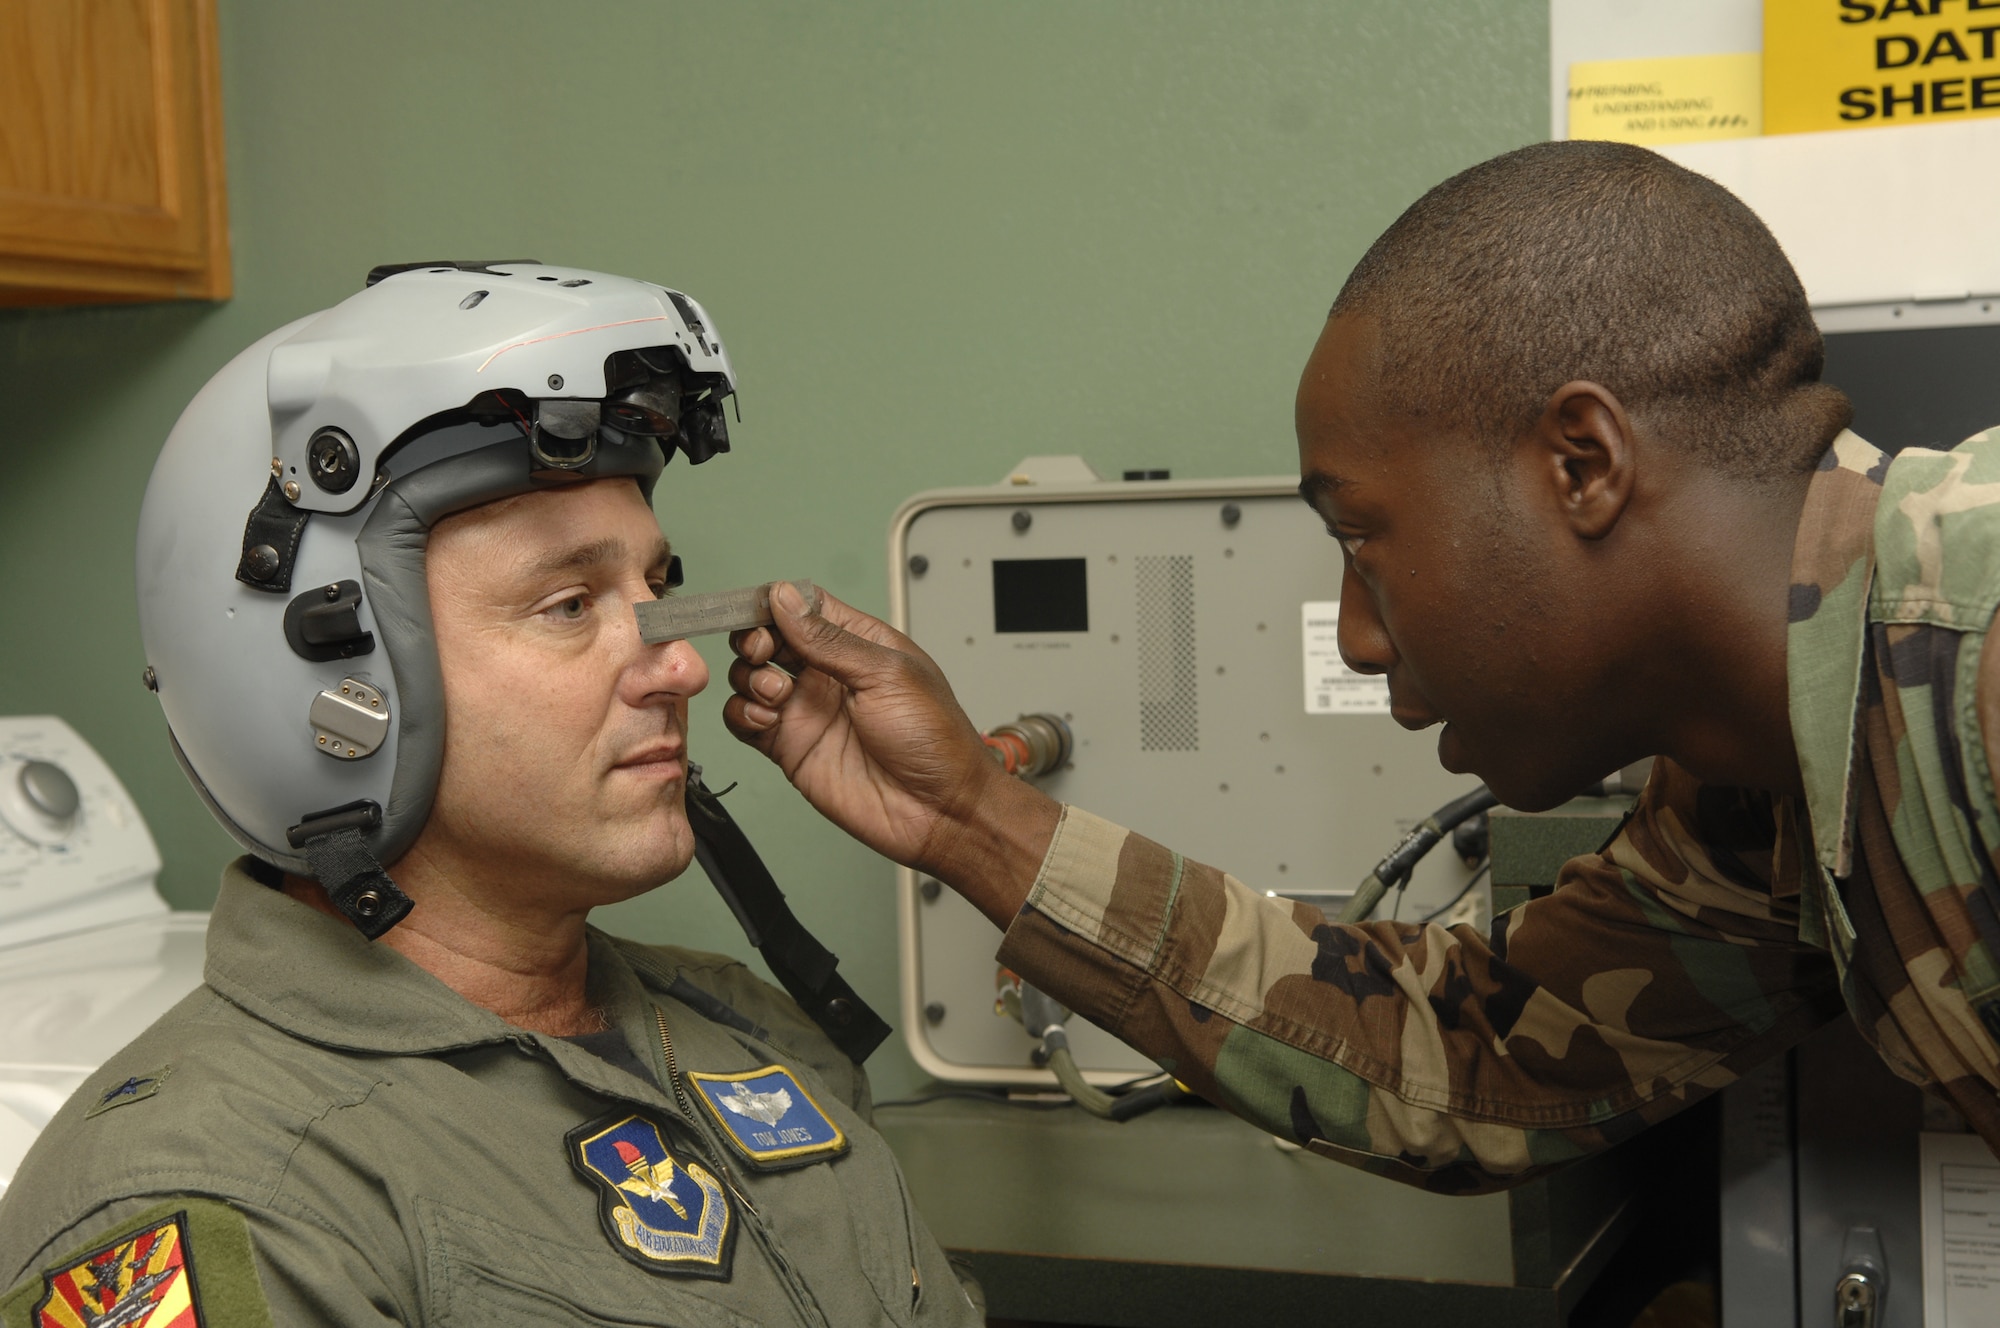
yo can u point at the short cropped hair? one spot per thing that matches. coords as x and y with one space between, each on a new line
1605 262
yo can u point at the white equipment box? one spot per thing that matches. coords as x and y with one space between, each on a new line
1184 630
89 954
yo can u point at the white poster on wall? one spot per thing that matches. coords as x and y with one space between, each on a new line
1331 687
1961 1197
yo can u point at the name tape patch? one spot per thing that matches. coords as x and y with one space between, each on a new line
665 1214
770 1117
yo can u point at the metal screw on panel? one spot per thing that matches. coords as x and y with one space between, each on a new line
1231 514
1023 519
934 1013
930 890
150 679
555 382
919 564
291 491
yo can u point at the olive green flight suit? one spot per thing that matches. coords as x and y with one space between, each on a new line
341 1139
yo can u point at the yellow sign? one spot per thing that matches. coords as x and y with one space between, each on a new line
1846 64
1678 99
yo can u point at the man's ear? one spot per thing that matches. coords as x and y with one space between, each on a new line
1582 445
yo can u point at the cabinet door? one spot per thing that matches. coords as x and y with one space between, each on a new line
111 177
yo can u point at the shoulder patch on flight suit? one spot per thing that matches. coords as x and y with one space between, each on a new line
137 1088
142 1273
665 1215
141 1280
770 1117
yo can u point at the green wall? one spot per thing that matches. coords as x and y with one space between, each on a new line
939 237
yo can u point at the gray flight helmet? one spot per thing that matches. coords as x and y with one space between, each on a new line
283 606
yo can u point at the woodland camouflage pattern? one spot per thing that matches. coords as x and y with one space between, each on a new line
1717 928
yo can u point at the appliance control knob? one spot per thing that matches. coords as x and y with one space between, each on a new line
49 790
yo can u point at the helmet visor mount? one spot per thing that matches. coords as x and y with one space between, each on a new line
647 396
564 434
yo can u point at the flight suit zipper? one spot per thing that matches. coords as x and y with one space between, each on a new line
673 1066
801 1295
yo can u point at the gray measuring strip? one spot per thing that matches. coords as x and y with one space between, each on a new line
678 617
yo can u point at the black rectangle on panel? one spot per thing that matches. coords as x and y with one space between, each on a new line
1918 386
1040 595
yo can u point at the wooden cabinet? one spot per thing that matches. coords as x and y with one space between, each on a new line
111 172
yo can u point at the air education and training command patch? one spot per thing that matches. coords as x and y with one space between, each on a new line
771 1119
144 1280
666 1216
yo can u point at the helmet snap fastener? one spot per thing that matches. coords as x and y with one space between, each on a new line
332 460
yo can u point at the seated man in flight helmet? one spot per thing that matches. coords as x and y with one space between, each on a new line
416 1085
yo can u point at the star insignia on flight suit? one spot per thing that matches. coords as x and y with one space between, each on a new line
136 1088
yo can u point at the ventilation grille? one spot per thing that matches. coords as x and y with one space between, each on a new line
1168 718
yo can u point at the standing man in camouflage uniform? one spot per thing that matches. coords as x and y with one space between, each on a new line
1594 505
438 1095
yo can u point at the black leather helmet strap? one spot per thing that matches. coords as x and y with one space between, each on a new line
346 869
803 966
271 541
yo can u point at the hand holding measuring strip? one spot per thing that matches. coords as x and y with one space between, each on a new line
680 616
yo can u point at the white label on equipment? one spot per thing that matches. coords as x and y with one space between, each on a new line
1331 687
1961 1226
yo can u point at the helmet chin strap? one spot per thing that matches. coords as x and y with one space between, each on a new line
346 868
803 967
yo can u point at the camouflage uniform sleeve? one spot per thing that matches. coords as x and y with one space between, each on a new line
1988 701
232 1265
1657 972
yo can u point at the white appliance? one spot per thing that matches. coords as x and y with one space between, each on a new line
89 952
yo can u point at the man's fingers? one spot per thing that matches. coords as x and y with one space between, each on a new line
756 644
749 721
822 639
766 686
866 626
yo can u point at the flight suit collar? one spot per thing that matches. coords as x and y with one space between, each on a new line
316 978
1833 564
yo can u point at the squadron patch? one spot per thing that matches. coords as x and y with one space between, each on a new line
667 1216
771 1119
144 1280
